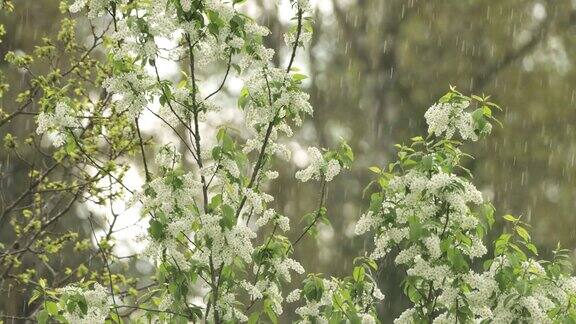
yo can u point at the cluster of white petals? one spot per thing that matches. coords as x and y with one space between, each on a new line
98 302
313 310
447 118
54 124
319 167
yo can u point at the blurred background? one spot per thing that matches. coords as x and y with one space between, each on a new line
375 66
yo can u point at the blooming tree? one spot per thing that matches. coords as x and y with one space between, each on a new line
221 252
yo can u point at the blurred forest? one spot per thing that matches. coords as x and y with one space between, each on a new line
375 67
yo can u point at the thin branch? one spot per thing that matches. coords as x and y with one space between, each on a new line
105 259
141 143
318 213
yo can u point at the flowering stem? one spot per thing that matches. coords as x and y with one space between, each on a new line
258 165
214 281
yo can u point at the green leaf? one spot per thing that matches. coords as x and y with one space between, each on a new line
213 28
253 319
457 259
35 295
156 229
313 288
299 77
375 169
70 145
83 305
532 248
488 213
345 154
228 217
523 233
51 307
510 218
227 143
42 317
216 201
416 228
114 317
427 162
243 98
358 274
270 313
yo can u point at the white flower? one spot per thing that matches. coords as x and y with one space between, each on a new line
165 302
367 319
438 118
407 255
254 292
283 268
54 124
293 296
332 169
314 168
98 304
318 167
255 29
283 223
231 166
310 309
377 293
447 118
536 312
77 6
271 175
477 249
236 42
366 222
167 157
186 4
131 90
290 38
407 317
433 245
305 6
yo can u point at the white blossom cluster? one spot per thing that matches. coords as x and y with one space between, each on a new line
266 287
95 7
415 194
54 124
98 302
292 38
426 211
131 90
447 118
417 203
200 219
489 303
200 224
546 294
303 39
319 167
262 84
167 157
175 195
270 216
314 310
